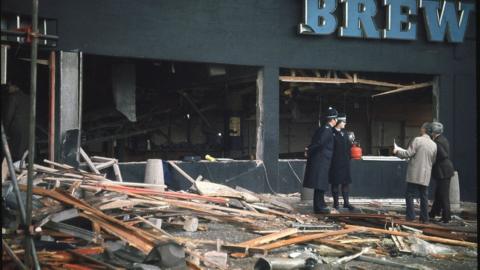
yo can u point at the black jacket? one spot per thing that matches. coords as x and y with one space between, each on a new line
340 167
443 167
319 156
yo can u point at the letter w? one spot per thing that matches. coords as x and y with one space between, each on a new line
445 20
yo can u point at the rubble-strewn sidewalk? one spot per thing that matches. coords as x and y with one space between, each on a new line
83 220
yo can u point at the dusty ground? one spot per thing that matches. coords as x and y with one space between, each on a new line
232 234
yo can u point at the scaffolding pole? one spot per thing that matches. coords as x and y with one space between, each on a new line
30 247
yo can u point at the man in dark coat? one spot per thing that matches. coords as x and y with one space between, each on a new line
340 167
442 172
319 156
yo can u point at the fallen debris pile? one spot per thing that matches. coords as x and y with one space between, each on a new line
82 220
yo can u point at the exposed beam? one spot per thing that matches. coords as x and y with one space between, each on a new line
379 83
405 88
353 80
312 80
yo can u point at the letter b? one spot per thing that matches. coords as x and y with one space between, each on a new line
319 16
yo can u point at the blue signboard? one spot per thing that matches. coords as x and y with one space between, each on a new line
443 20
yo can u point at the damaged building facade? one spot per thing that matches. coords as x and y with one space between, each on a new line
247 81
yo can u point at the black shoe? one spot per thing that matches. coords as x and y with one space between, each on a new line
324 210
349 206
431 215
445 221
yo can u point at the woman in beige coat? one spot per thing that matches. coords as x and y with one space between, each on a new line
421 152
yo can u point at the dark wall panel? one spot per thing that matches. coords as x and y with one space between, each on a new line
241 32
466 135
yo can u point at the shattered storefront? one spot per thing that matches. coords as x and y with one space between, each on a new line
139 103
245 84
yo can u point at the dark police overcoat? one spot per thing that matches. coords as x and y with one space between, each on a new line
319 156
340 167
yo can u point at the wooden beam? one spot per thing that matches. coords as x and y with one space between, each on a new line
395 219
405 88
424 237
308 237
182 172
89 161
378 83
268 238
354 80
313 80
126 232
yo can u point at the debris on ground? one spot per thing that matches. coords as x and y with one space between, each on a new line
82 220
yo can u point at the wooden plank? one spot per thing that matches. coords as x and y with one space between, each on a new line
116 171
182 172
197 206
110 224
399 243
142 244
378 83
216 190
120 188
353 80
118 204
207 213
264 198
449 235
405 88
395 219
278 213
89 161
105 165
268 238
70 173
424 237
307 238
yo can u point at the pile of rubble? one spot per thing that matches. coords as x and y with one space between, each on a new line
82 220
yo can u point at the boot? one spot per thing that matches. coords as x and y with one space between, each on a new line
335 200
346 202
319 205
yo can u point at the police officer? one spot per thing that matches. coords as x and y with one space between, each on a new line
319 155
340 167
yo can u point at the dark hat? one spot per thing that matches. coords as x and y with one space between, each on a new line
342 117
330 113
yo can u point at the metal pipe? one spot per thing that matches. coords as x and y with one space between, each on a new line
11 169
24 34
30 247
51 122
13 256
16 190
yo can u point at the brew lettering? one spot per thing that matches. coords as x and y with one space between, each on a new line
443 19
